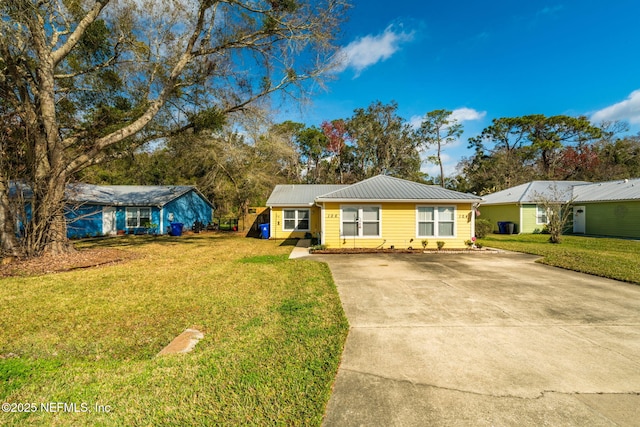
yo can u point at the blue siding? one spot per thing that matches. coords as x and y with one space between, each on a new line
87 221
84 221
187 209
121 218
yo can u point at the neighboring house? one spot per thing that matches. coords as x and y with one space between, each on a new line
131 209
378 212
97 210
608 208
520 204
605 208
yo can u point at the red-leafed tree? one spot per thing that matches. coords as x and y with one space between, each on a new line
578 163
337 136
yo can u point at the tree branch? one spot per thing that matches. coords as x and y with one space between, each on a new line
77 34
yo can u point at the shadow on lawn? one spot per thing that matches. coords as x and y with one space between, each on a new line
202 239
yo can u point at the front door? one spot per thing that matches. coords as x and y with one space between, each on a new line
579 219
109 221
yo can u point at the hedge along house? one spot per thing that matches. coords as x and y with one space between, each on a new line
521 205
94 210
383 212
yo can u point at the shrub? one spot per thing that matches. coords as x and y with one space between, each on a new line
440 244
483 228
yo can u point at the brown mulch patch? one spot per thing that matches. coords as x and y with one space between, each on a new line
58 263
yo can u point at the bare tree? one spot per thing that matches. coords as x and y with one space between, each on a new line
556 203
87 79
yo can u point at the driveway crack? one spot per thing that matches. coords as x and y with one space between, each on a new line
539 395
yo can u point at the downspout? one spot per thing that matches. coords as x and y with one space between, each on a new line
321 222
520 213
474 208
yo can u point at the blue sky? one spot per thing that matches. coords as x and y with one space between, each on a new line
485 60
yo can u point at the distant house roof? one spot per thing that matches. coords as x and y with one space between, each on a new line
386 188
378 188
114 195
127 195
299 194
578 191
620 190
533 191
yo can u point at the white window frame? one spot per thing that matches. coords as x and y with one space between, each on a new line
437 221
360 221
542 212
296 218
136 215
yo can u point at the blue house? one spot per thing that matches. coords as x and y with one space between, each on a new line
94 210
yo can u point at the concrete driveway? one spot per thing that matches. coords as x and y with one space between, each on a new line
483 340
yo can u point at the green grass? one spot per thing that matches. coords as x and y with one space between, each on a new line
274 332
613 258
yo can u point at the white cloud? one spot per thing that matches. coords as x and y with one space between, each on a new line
463 114
467 114
627 110
369 50
449 165
415 121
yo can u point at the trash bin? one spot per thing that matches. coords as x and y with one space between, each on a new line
176 228
510 228
264 230
502 227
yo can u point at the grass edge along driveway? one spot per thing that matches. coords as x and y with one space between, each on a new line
606 257
85 341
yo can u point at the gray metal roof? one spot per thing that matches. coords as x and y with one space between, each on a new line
628 189
533 191
386 188
127 195
299 194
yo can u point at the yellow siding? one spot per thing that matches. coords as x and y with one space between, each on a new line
399 227
277 224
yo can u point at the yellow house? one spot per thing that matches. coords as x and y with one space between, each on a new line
379 212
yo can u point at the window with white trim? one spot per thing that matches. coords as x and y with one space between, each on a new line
541 215
138 217
436 221
295 219
360 221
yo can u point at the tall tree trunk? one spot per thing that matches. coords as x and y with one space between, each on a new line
440 163
48 231
8 241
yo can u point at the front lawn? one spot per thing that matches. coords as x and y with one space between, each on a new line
86 341
612 258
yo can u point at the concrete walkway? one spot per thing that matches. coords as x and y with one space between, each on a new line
301 250
491 340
